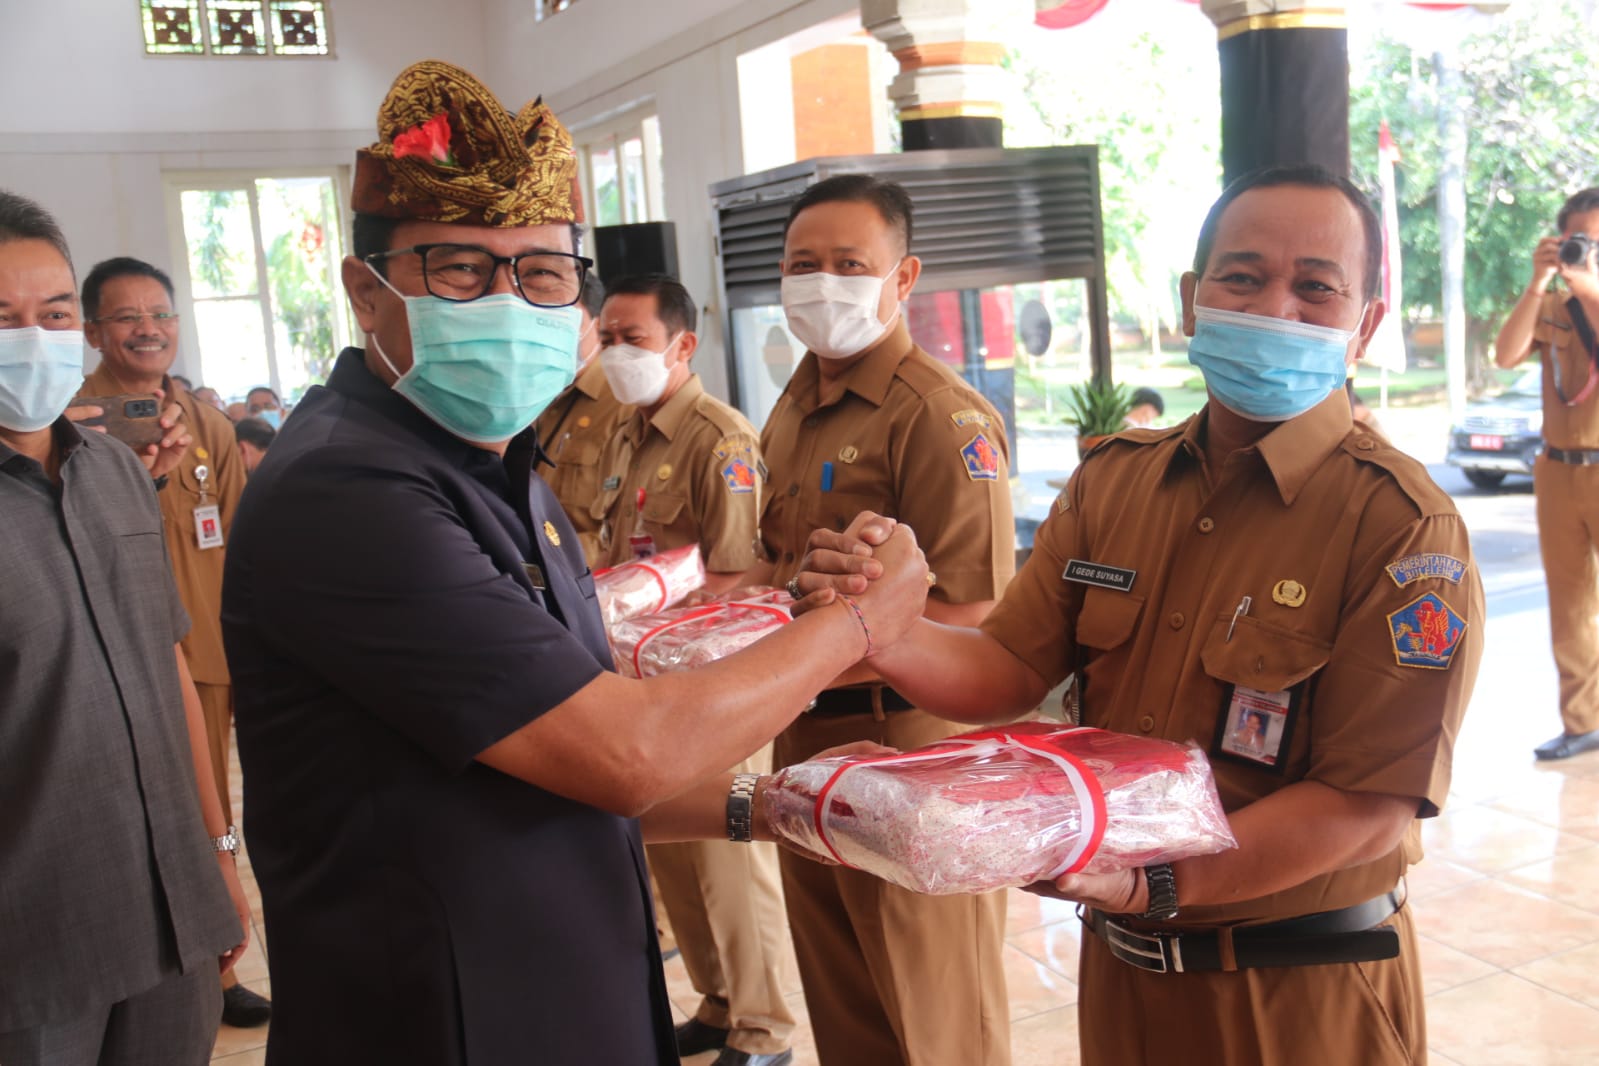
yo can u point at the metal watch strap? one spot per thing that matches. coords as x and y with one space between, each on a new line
741 808
1162 886
228 842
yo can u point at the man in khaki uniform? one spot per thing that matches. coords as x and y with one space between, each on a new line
695 462
1271 567
869 421
577 426
1566 474
129 319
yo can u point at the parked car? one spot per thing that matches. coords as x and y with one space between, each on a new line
1502 435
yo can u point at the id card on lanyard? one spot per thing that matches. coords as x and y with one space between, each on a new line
207 516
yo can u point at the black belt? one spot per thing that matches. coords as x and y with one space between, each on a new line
1348 935
838 702
1575 458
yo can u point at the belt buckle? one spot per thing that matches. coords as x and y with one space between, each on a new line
1155 952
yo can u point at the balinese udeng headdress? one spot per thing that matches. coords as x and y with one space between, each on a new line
449 151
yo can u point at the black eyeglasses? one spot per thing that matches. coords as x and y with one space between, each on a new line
462 272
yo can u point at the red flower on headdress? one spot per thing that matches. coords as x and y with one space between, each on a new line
430 140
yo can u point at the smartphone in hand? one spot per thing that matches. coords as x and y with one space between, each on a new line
134 418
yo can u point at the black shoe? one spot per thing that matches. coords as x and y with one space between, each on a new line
694 1036
732 1056
1568 744
244 1009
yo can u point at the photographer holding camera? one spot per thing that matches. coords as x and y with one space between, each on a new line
1560 325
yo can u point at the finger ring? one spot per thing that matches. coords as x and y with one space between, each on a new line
932 579
793 589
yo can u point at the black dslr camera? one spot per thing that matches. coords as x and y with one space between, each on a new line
1577 250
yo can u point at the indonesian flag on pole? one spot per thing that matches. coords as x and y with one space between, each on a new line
1387 348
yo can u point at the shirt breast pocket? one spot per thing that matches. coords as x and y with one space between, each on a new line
836 510
1262 656
1105 627
664 515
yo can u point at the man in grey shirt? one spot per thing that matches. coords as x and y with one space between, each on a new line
115 863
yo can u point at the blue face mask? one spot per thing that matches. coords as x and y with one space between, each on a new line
40 371
486 368
272 417
1267 369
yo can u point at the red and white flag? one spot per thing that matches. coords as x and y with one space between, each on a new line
1387 348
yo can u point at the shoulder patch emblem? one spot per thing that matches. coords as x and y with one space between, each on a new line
971 416
1416 567
740 477
982 460
1426 632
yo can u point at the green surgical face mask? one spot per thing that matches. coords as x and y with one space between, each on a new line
486 368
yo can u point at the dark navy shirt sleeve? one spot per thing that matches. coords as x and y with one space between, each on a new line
388 597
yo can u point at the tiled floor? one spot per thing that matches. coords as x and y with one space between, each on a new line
1505 901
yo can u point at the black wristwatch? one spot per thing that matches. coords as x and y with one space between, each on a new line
161 482
1162 885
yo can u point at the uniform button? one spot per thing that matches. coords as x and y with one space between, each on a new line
1260 665
1366 444
1207 524
793 490
810 421
1145 724
1177 619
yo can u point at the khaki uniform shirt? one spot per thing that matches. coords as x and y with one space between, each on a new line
906 437
700 468
1364 609
198 571
1571 428
574 431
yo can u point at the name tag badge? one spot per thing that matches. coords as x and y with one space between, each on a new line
1106 577
1255 726
612 483
208 526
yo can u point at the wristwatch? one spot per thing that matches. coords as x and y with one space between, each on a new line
1162 885
741 808
228 842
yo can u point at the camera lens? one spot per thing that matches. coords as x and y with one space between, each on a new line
1574 250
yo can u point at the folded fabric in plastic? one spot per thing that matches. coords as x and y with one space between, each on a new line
648 586
1003 808
686 637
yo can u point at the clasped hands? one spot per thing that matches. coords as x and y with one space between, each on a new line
874 562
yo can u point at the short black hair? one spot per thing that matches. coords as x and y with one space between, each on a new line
268 389
593 295
1315 177
254 431
21 219
123 266
181 380
1150 396
1579 204
889 197
374 234
673 305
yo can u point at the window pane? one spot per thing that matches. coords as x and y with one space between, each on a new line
633 180
172 28
237 27
233 347
300 235
607 195
299 28
221 244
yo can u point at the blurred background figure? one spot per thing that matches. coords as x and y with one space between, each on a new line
1147 407
254 436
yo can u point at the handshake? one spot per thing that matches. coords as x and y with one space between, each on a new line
875 568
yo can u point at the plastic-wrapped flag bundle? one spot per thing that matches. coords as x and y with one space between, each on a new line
648 586
686 637
1003 808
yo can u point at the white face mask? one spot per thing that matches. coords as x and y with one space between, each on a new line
833 315
638 376
40 371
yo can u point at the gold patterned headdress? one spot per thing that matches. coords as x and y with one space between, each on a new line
448 151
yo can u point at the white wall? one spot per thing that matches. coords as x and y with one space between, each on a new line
601 57
92 122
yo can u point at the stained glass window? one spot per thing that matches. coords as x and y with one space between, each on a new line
172 28
299 28
237 27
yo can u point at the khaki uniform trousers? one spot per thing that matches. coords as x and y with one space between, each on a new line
725 905
216 705
1365 1013
892 976
1568 537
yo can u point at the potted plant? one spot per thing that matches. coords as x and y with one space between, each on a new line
1097 410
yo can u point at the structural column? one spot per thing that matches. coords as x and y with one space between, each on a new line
1284 83
951 88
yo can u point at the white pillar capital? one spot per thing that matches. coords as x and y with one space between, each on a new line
949 53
